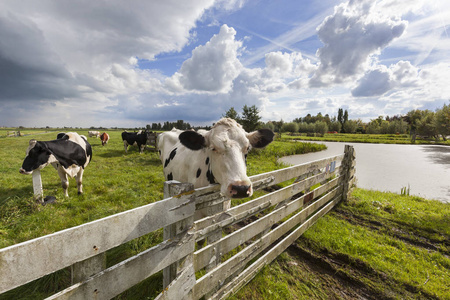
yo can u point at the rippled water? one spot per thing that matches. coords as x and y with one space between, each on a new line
424 168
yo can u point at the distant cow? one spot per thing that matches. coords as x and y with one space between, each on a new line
94 133
215 156
69 155
133 138
105 138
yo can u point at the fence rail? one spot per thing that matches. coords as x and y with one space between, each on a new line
234 237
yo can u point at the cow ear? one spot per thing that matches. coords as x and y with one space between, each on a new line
192 140
32 143
260 138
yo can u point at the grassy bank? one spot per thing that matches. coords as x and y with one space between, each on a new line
375 246
364 138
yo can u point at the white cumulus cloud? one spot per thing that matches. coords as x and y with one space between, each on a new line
213 66
382 79
355 32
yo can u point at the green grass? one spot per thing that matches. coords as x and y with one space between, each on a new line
395 246
364 138
113 182
381 244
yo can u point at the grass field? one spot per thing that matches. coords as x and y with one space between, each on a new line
376 246
113 182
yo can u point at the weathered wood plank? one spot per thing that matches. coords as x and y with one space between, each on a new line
228 243
245 210
260 181
118 278
295 171
247 275
181 287
347 162
84 269
24 262
223 271
171 189
37 186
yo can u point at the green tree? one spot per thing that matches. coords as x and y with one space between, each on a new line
413 118
442 121
426 126
232 114
290 127
340 117
320 128
335 126
350 126
373 127
250 118
269 125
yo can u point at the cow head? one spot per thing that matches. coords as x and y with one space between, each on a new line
227 145
38 156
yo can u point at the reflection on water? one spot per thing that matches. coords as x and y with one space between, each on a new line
426 169
439 154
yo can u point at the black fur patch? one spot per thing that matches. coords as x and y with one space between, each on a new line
192 140
199 171
170 176
171 156
207 161
210 176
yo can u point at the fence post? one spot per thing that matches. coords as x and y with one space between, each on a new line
173 188
347 162
37 185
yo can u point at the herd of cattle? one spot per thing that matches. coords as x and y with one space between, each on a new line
199 157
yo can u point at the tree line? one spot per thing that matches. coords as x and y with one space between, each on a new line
166 126
424 123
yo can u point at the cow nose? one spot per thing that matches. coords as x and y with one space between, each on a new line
22 171
240 191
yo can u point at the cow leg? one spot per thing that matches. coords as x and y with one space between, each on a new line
141 148
125 145
79 179
64 181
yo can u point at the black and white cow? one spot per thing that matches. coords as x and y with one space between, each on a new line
69 154
215 156
133 138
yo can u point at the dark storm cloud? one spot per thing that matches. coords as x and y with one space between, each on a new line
28 68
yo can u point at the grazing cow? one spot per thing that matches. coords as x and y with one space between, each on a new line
133 138
105 138
69 155
215 156
94 133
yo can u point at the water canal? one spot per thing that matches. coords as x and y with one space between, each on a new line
385 167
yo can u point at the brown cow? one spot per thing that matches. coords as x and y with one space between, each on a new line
105 138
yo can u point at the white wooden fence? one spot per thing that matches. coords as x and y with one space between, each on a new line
239 241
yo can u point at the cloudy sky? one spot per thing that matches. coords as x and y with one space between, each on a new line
132 63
